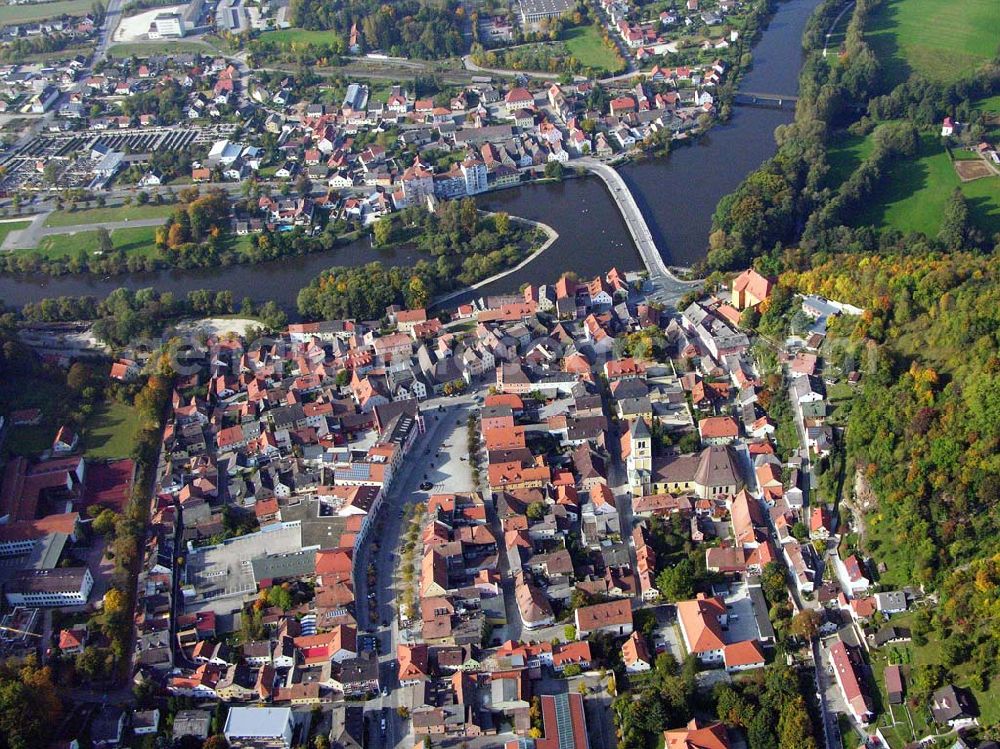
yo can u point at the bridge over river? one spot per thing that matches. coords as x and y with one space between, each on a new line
757 99
669 287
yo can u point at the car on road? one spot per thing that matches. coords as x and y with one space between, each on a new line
426 486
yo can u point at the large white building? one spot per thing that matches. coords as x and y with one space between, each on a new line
168 25
259 727
69 586
535 11
475 174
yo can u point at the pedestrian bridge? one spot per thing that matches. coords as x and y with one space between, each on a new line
659 273
770 101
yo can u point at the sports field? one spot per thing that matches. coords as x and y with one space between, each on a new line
12 14
939 40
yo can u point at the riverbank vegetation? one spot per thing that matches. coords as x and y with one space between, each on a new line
465 245
126 316
794 198
196 234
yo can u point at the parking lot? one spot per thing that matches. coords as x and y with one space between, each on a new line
73 151
666 636
741 623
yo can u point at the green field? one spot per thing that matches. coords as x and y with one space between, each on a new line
300 36
845 154
145 49
587 46
111 431
992 104
9 226
11 14
938 40
105 215
913 194
141 239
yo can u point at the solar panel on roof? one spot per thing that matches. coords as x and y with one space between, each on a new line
564 722
356 471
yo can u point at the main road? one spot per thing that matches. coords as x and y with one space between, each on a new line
440 425
666 283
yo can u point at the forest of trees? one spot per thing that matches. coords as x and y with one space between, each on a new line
30 707
925 427
407 28
165 100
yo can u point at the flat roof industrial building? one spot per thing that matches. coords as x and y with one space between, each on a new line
259 726
228 569
533 11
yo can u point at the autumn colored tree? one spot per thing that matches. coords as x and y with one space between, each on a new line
177 235
805 624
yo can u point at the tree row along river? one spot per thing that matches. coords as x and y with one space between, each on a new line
676 194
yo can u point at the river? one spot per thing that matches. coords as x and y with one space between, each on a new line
677 194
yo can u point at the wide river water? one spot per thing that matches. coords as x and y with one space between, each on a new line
677 195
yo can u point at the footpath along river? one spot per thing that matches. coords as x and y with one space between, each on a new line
677 195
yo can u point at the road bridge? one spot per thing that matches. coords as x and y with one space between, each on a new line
669 286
